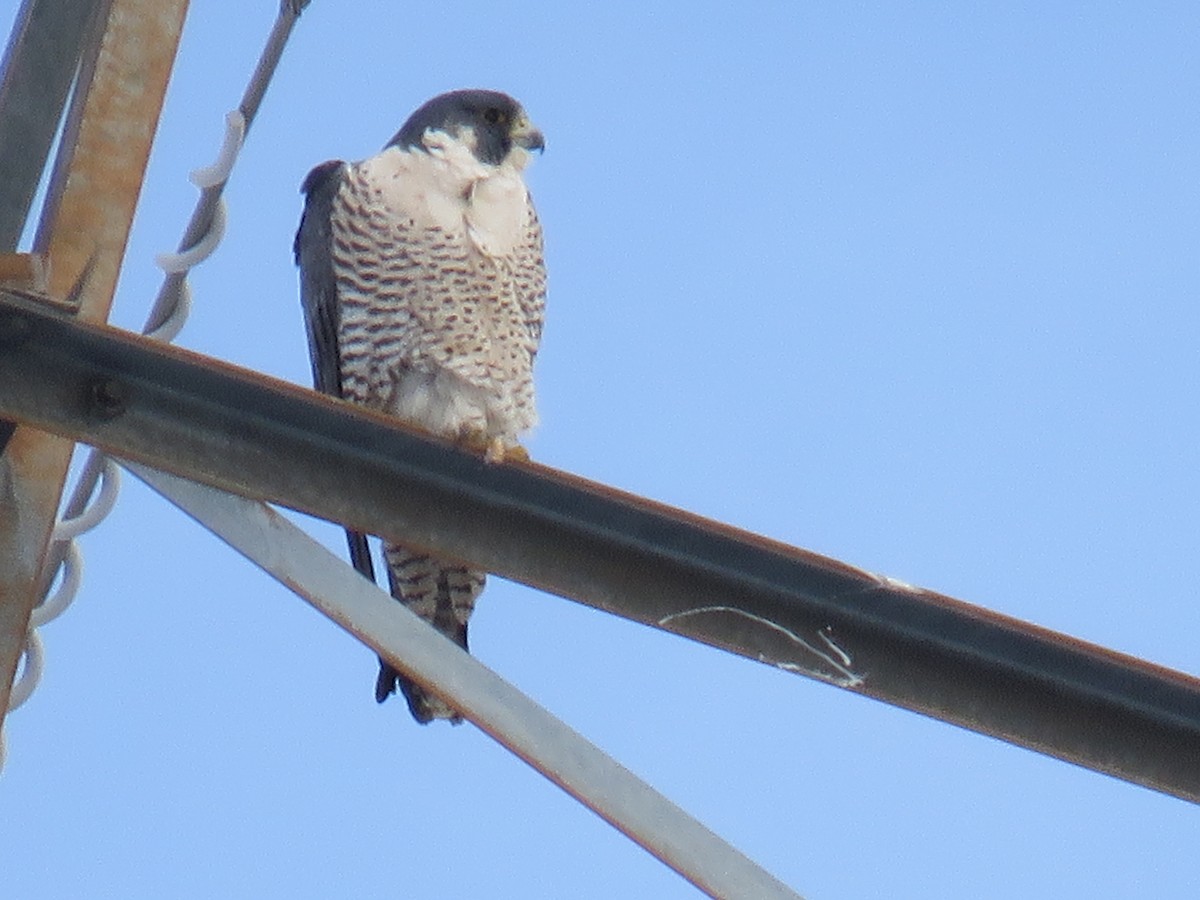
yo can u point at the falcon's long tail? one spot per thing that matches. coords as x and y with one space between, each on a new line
444 595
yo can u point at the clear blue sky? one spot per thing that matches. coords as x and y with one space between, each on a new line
909 284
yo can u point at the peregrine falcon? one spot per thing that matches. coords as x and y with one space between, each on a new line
423 287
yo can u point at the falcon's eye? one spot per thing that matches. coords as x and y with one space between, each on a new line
493 116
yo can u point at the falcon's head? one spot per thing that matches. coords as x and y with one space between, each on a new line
492 124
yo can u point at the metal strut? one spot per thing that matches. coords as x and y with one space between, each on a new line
262 438
499 709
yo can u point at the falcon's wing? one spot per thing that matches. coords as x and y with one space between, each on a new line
318 288
531 276
322 316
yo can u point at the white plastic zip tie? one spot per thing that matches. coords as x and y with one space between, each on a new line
29 674
94 513
179 263
174 322
218 172
56 604
32 659
182 262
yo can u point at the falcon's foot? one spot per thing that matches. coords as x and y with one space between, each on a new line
498 451
494 449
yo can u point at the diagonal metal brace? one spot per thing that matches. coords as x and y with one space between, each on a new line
582 770
265 439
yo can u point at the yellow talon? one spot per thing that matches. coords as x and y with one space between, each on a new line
498 452
517 453
494 449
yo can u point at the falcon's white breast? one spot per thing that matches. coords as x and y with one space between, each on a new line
438 263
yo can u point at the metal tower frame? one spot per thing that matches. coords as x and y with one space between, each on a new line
223 443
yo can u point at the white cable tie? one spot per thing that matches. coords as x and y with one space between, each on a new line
94 512
177 263
56 604
33 657
173 324
218 172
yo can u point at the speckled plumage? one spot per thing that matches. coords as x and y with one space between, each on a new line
423 286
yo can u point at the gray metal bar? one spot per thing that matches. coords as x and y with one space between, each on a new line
577 766
39 64
269 440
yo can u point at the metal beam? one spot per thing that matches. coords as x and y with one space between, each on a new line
499 709
91 198
39 64
255 436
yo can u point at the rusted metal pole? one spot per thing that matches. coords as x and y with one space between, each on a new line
242 432
82 234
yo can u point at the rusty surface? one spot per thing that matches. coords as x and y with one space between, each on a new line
95 185
83 230
23 271
810 615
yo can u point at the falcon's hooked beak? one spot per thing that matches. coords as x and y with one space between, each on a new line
525 135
